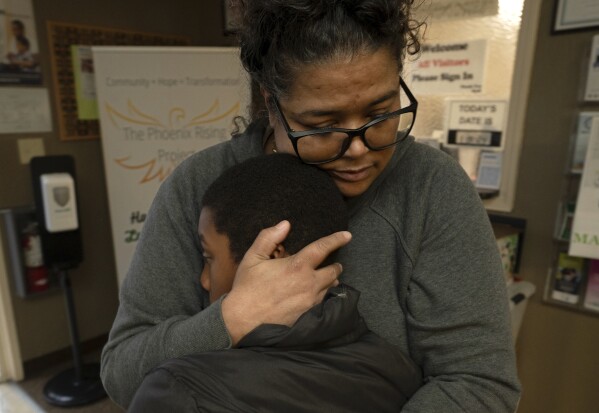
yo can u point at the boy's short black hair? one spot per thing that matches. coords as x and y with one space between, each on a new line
263 191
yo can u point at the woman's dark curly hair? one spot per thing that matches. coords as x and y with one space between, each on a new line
278 37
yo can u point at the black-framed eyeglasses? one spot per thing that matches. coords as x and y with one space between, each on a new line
318 146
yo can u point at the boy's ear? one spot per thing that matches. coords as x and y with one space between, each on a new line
205 281
279 252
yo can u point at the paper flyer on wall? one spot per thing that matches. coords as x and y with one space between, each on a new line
448 68
158 106
24 109
584 241
85 82
19 51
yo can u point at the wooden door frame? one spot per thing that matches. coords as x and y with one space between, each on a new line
517 109
11 364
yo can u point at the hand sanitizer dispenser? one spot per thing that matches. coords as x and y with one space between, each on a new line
55 195
59 202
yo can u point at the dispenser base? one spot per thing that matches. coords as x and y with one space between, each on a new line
65 389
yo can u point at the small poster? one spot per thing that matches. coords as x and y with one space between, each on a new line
19 52
85 82
568 279
448 68
591 298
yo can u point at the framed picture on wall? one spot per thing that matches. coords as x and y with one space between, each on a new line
575 15
232 16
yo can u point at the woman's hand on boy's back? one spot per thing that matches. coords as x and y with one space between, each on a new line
278 291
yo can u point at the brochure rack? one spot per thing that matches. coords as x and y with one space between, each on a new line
570 279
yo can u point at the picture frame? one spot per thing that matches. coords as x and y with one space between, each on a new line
231 16
575 15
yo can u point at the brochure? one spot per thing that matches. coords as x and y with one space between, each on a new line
570 271
583 132
591 298
591 92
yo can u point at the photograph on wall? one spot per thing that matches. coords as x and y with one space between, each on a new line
575 15
19 50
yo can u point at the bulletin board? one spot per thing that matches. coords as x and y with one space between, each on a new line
61 37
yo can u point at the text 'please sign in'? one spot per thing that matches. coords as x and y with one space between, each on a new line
452 68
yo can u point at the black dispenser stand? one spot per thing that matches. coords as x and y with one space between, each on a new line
81 384
63 251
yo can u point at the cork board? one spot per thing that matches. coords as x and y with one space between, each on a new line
61 37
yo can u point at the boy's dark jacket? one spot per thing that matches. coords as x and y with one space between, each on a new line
328 361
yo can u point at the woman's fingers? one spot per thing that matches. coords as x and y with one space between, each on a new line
316 252
278 291
328 276
266 242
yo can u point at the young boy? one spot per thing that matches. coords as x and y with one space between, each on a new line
328 361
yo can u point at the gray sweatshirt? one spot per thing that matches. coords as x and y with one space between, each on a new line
423 256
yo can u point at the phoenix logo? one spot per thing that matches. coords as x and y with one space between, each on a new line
138 125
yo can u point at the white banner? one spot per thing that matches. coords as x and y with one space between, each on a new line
157 106
584 241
